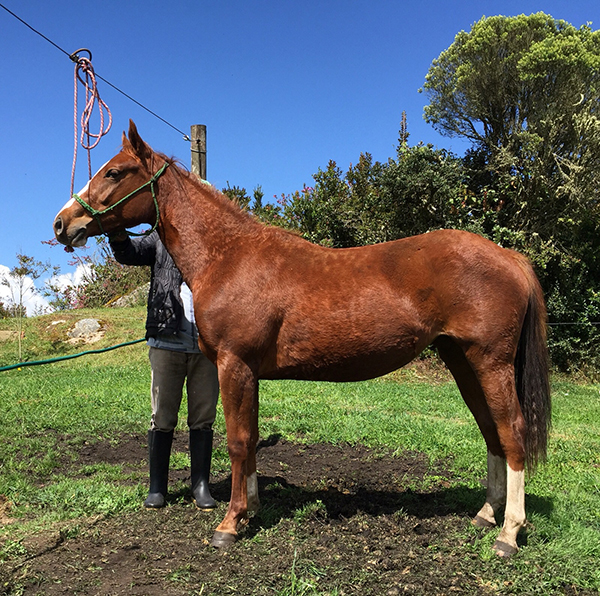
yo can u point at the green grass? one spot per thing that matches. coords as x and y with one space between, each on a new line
563 497
106 395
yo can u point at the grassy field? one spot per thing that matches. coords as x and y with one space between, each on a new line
104 396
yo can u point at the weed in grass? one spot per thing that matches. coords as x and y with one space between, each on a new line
303 579
311 511
181 575
12 549
179 461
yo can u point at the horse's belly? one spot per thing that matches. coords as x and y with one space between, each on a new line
350 336
348 361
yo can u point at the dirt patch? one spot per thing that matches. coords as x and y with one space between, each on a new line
339 520
6 335
4 511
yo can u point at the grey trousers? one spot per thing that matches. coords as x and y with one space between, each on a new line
169 372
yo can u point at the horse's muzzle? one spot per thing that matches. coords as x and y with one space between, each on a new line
69 235
58 227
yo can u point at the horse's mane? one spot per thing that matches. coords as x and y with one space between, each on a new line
244 219
231 207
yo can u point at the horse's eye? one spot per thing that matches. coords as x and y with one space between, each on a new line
113 174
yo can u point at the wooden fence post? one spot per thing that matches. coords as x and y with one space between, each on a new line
199 150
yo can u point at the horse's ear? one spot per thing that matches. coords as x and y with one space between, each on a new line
135 142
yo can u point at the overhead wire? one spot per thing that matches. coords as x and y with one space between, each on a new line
73 56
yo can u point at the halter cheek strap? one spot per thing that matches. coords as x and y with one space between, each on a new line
97 213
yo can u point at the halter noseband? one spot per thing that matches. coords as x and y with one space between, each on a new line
97 213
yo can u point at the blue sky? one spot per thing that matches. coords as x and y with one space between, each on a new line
282 86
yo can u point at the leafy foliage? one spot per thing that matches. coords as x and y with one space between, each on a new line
525 91
20 283
104 280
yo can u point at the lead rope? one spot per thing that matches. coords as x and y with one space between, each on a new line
84 74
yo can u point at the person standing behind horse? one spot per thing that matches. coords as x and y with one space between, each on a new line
175 357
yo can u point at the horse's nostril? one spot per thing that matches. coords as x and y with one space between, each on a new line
58 226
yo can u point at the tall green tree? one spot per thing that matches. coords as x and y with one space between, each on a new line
420 190
341 209
525 92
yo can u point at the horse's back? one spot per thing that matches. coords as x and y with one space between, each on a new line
357 313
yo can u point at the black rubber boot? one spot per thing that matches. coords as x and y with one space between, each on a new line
200 457
159 453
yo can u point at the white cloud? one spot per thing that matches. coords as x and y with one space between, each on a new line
35 303
11 292
63 280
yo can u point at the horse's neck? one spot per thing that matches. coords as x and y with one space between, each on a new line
198 226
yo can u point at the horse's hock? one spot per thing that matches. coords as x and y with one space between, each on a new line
85 331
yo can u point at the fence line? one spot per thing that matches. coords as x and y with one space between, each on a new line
575 323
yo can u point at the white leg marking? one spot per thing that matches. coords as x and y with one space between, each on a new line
252 491
514 515
496 491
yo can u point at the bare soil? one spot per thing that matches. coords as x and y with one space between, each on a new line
338 520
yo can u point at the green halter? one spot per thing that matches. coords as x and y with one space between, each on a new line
97 213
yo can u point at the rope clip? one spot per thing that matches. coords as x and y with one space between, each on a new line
75 55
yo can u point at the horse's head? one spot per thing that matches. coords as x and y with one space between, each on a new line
119 196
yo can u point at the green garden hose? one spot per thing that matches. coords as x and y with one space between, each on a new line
58 359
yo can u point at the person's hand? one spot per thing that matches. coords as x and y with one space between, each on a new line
118 236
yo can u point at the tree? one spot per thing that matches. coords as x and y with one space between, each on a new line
238 195
269 214
525 91
424 190
421 190
5 311
340 210
20 282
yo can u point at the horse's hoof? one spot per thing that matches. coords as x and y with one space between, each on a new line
222 539
481 522
504 550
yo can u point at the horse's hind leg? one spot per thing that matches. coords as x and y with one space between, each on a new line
470 388
498 384
496 491
491 397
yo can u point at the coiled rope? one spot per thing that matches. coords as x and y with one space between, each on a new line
84 74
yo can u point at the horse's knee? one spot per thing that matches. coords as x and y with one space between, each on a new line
238 449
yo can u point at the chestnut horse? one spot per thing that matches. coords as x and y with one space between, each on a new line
270 305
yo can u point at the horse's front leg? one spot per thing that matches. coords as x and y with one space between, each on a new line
239 395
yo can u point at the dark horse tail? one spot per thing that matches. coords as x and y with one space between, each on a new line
532 376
